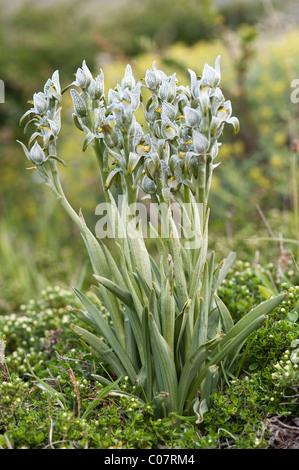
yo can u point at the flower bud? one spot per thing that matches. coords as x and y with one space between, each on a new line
151 80
167 90
148 185
192 116
200 142
211 76
96 87
83 77
37 155
79 104
40 103
128 81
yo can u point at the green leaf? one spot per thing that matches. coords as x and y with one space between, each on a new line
226 319
263 309
164 365
113 269
107 333
148 368
180 278
195 364
179 331
292 316
101 267
122 295
105 353
205 294
167 313
88 139
265 280
100 396
154 308
222 270
139 251
266 292
58 159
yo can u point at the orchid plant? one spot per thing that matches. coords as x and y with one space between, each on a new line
166 329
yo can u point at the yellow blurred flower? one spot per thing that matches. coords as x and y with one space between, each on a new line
280 138
266 112
257 176
276 161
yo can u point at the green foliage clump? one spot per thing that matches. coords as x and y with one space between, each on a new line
265 385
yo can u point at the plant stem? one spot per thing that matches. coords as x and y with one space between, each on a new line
62 198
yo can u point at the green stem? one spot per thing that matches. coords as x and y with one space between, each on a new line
62 198
98 147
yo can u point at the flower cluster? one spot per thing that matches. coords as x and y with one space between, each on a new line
183 124
178 146
47 119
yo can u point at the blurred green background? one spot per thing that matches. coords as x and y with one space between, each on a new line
254 188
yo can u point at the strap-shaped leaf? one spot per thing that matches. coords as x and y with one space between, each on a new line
205 294
164 365
100 396
85 318
236 335
244 324
154 308
148 367
140 253
226 319
118 222
101 268
180 278
194 364
167 313
114 271
107 333
155 270
123 295
222 270
136 326
131 283
105 353
179 331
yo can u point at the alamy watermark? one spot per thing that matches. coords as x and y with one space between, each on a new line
150 221
2 92
295 93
